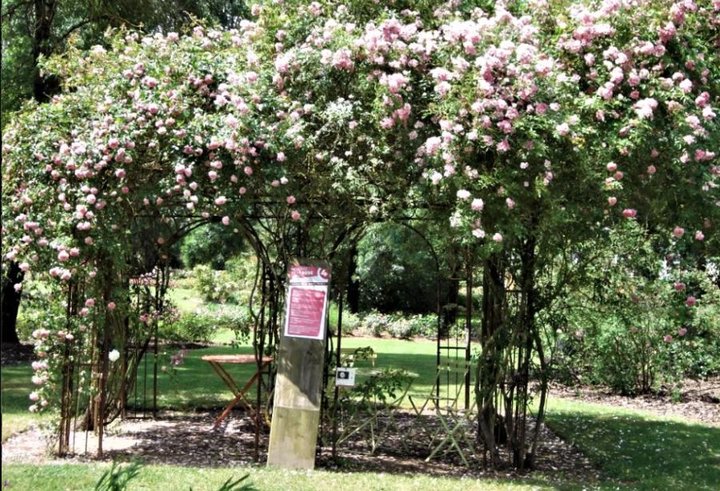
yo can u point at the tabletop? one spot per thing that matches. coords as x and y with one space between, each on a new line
239 359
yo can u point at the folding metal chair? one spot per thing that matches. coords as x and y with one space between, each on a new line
371 405
455 424
453 373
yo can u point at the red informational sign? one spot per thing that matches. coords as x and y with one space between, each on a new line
307 301
305 274
306 311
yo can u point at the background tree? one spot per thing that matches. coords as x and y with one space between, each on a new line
35 29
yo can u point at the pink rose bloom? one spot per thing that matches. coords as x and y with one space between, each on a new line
667 338
612 200
629 213
90 302
679 286
63 256
699 235
290 200
690 301
281 157
111 306
497 237
477 204
651 170
562 129
221 200
432 145
226 220
611 167
678 232
682 331
295 215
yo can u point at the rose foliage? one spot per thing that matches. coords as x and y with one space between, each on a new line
550 119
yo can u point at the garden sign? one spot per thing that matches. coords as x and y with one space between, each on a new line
296 410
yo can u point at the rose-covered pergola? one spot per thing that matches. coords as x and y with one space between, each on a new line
527 127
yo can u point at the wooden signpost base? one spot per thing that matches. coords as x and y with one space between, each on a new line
296 411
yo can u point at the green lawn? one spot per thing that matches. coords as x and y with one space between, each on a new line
194 384
84 476
187 300
16 387
635 450
639 450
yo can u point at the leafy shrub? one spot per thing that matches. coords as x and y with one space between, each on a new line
624 327
215 286
424 325
350 322
402 328
376 323
37 308
382 387
396 270
201 325
210 245
399 326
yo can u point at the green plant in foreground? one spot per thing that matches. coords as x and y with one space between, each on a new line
116 478
231 485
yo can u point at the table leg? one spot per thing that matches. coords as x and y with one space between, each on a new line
239 393
222 373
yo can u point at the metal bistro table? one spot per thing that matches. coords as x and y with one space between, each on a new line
216 361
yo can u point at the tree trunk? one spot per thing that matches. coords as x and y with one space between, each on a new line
11 303
44 87
489 369
527 328
353 287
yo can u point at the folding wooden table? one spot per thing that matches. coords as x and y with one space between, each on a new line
217 362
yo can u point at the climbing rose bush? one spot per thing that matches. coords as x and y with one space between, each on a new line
545 120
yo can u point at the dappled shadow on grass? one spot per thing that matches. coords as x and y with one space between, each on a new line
16 388
644 454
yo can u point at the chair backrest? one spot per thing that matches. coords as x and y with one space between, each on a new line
450 380
348 356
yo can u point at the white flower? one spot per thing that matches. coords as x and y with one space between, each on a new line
463 194
114 355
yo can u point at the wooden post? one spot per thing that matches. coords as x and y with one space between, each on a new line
296 411
300 363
